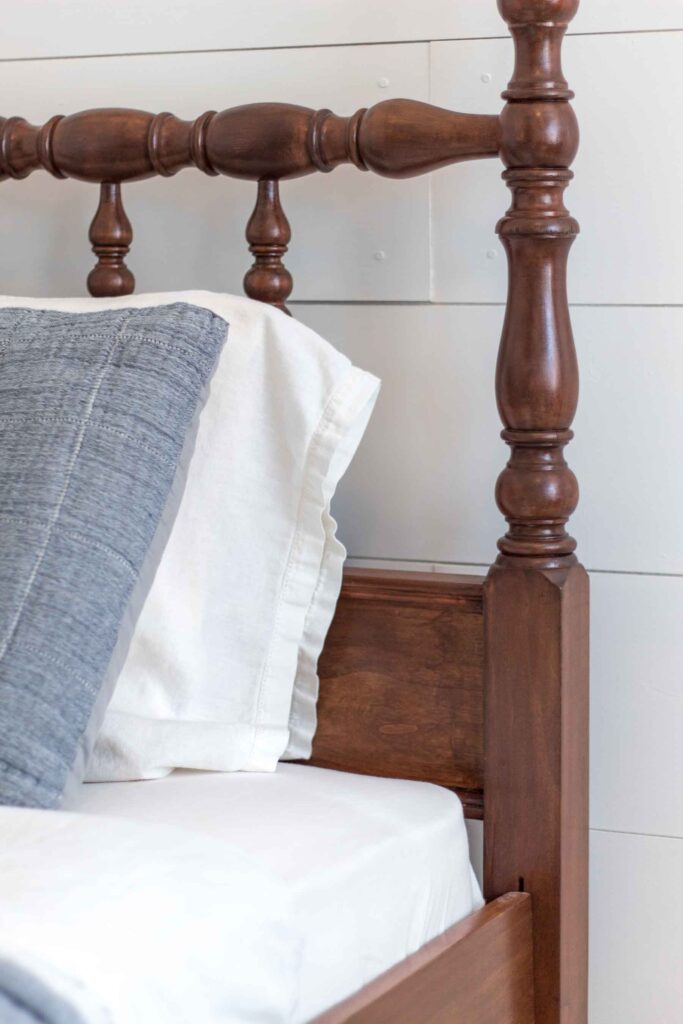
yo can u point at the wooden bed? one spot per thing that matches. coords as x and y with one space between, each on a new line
477 684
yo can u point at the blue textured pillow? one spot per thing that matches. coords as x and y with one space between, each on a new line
94 412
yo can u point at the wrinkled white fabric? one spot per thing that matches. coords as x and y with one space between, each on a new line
374 868
220 672
133 922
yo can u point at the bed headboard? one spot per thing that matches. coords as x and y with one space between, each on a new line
477 684
264 142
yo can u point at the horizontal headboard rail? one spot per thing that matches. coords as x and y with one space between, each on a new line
396 138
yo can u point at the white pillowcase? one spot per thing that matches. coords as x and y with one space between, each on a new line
221 669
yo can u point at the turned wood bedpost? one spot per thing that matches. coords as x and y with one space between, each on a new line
536 777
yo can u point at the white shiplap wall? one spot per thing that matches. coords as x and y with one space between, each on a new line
426 318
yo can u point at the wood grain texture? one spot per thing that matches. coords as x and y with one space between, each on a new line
536 596
111 235
478 972
401 692
396 138
537 380
268 234
536 783
265 142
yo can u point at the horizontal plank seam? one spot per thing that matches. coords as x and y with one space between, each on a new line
437 303
320 46
481 565
642 835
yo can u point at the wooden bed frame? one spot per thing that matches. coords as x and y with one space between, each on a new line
478 684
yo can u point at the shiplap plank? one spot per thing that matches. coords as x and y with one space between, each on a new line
189 230
637 703
422 484
77 27
636 939
626 194
40 28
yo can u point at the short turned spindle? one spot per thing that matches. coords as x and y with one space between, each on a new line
110 235
268 234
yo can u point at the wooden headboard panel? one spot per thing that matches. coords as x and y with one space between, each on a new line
401 681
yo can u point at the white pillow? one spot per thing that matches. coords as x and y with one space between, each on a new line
221 669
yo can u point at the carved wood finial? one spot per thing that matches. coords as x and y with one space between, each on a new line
268 234
111 235
537 374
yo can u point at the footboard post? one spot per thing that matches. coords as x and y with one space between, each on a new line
536 595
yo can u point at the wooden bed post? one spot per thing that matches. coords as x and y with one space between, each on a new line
536 595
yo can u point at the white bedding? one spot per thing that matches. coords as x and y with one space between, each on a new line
210 672
231 897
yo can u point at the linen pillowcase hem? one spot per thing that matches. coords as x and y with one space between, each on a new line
312 578
133 609
346 432
199 687
288 684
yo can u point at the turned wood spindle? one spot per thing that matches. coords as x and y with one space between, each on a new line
110 235
268 234
537 375
536 595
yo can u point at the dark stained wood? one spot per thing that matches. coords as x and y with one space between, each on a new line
536 596
478 972
268 234
480 686
260 140
401 691
401 138
536 781
537 380
111 236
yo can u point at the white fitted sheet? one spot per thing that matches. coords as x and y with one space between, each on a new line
374 868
